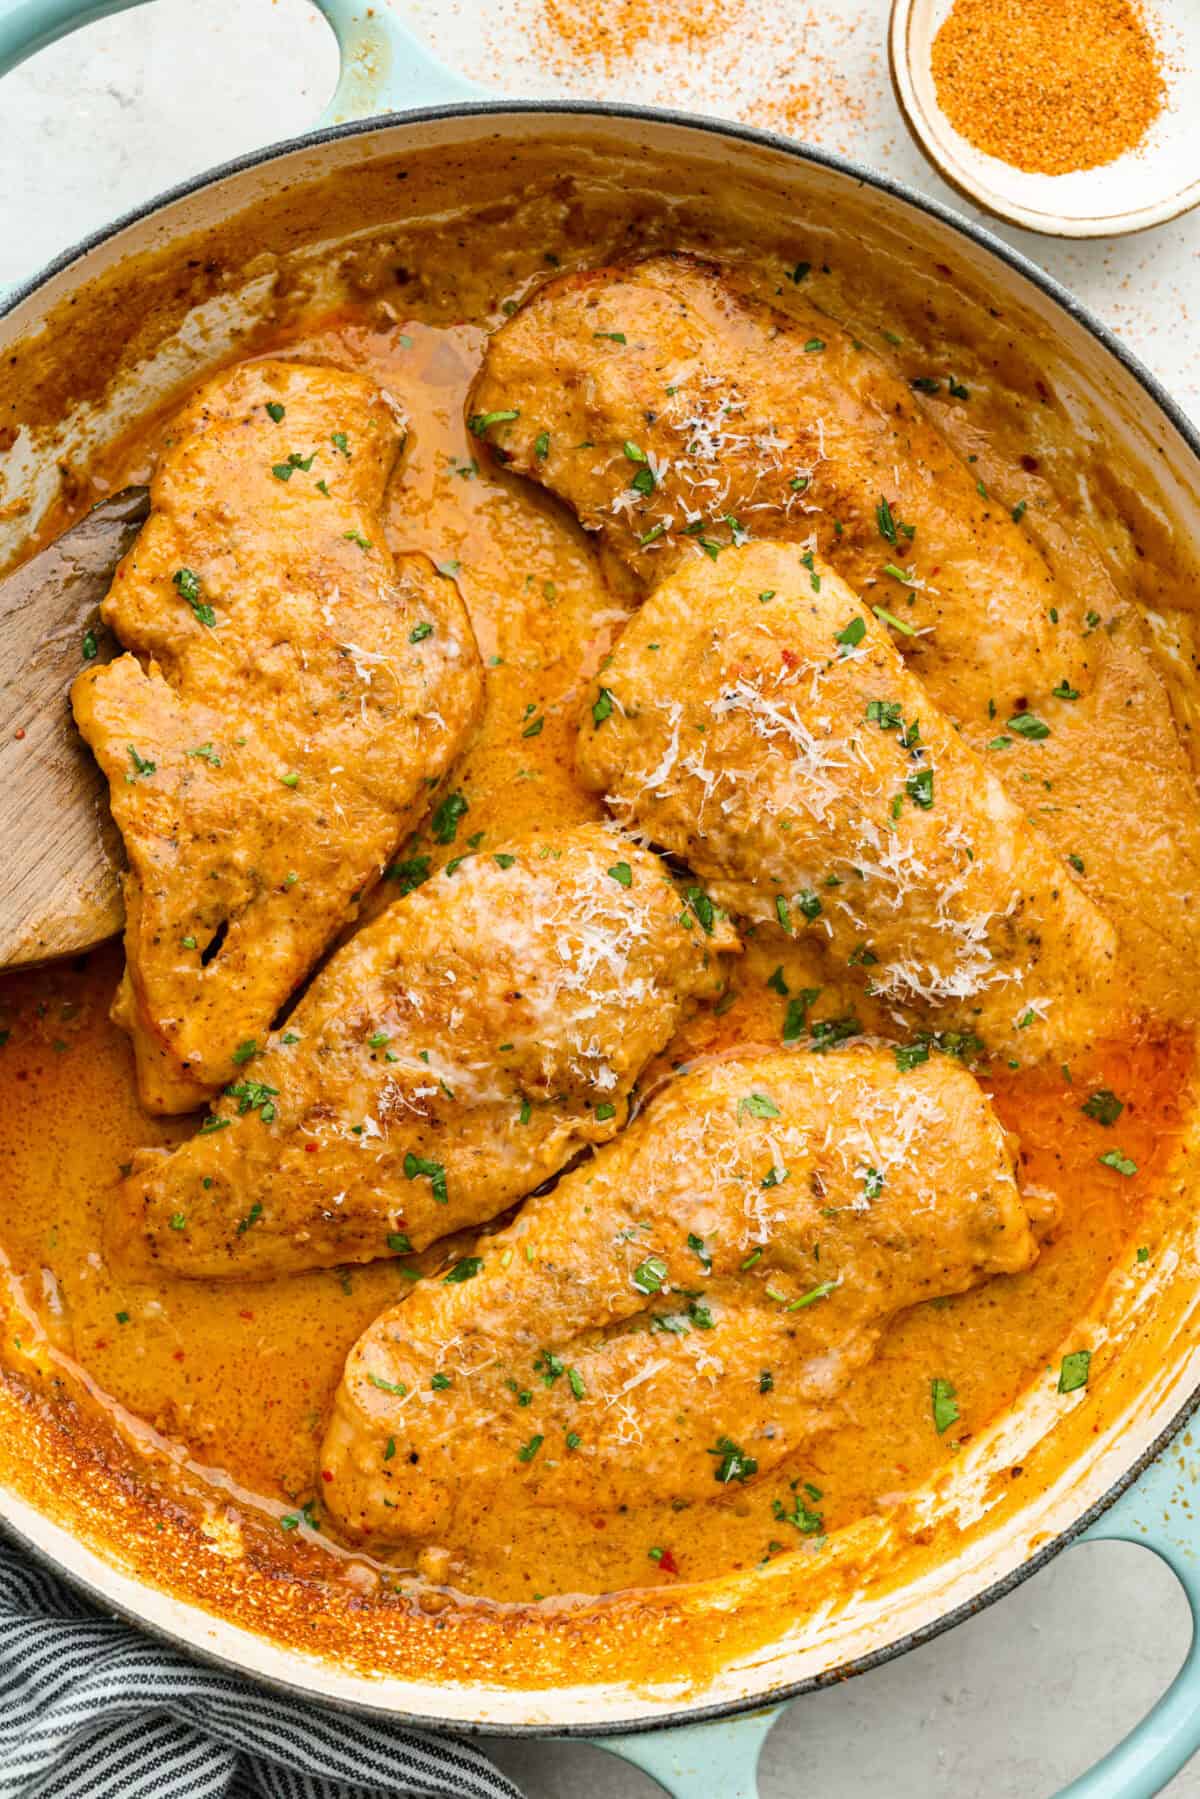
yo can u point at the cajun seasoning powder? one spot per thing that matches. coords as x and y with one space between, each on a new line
1049 85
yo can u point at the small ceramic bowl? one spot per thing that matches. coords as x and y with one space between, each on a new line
1146 186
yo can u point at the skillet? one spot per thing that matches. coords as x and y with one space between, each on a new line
1115 1466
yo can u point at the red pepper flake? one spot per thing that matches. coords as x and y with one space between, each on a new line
667 1562
788 657
312 1148
179 1355
326 1474
245 1314
19 733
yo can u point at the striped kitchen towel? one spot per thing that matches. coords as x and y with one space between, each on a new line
90 1709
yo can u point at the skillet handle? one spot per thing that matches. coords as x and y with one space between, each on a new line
1157 1512
700 1761
384 68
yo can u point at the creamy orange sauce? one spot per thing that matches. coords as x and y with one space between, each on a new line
241 1376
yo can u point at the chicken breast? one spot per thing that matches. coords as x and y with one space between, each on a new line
756 720
675 415
293 696
682 1312
458 1051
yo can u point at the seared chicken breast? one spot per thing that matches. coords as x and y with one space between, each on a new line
683 1311
293 695
677 414
756 720
457 1052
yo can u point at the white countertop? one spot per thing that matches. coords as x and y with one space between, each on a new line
1021 1698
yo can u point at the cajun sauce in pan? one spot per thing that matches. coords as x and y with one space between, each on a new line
240 1376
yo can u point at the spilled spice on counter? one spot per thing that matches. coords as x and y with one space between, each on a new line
610 33
1049 85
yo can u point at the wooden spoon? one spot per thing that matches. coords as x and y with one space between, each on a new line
60 854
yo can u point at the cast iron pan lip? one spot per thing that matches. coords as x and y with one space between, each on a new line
1169 407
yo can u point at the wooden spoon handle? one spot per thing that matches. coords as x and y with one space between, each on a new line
60 855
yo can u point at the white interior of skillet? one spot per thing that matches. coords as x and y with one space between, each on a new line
894 1586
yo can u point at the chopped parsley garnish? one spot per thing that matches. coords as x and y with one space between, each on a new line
766 1381
852 634
575 1382
1064 690
410 873
142 766
919 788
1018 511
650 1276
528 1450
733 1463
696 1245
341 443
364 543
254 1096
887 714
602 708
177 1221
398 1243
446 818
943 1404
283 471
416 1166
777 983
465 1269
541 445
549 1366
827 1033
212 1124
758 1105
1029 726
702 907
275 411
204 752
795 1022
821 1291
252 1217
798 273
614 337
814 343
1112 1158
808 1523
439 1383
480 422
1076 1366
89 646
245 1052
420 631
397 1388
872 1182
605 1110
897 624
621 873
1104 1106
926 384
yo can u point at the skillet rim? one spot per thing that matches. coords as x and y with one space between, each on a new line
1189 432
